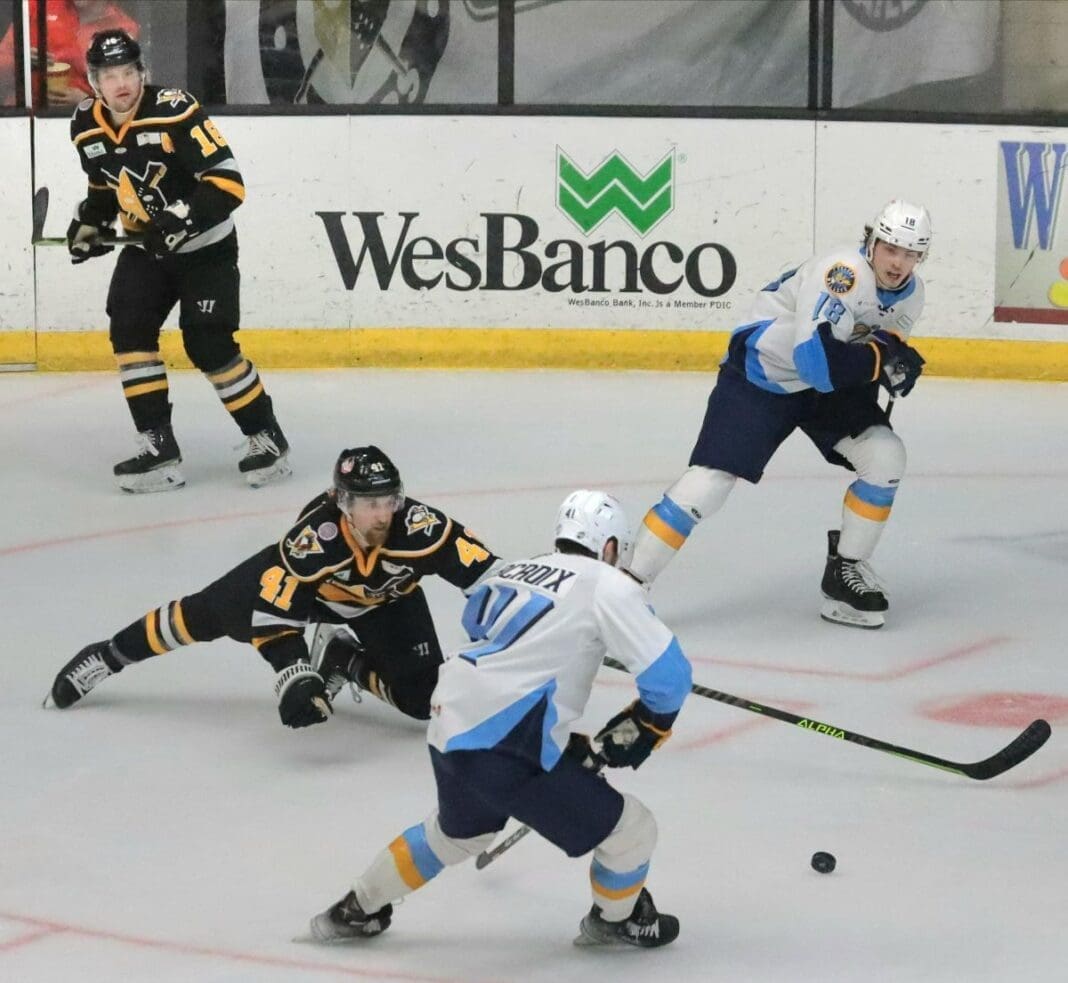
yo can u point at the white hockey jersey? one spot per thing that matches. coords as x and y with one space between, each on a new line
780 347
539 629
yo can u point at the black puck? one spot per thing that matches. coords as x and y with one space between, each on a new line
823 862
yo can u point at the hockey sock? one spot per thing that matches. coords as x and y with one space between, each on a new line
415 857
159 631
667 525
144 384
621 862
239 387
864 513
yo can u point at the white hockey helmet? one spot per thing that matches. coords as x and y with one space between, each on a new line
901 223
590 519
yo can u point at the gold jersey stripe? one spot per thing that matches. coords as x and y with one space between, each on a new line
226 184
145 387
243 401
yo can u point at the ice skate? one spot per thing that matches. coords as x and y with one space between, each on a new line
155 466
91 666
346 921
853 595
644 927
265 457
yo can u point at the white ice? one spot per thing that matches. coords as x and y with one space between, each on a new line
169 828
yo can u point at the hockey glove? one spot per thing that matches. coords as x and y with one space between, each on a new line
301 693
172 228
581 750
901 366
632 735
83 241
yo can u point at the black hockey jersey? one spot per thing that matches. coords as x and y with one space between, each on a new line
168 151
320 573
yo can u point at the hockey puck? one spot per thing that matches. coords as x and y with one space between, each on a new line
823 862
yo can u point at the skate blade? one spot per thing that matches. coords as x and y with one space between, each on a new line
840 613
48 703
265 476
169 478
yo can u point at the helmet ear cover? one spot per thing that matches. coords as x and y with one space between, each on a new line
590 519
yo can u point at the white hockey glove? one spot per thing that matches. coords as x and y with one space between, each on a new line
301 693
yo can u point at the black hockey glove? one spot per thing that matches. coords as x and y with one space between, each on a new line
302 699
902 364
632 735
83 241
581 750
170 229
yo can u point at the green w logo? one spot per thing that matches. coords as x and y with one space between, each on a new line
614 186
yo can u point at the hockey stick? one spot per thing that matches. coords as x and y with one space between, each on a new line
40 213
1019 749
578 746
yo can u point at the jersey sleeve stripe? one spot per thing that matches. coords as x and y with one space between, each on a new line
235 188
666 683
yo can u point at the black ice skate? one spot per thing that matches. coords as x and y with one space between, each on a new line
852 594
155 468
644 927
265 457
336 655
92 665
346 921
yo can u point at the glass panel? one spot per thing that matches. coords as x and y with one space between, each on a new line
10 63
916 55
662 52
348 52
1035 56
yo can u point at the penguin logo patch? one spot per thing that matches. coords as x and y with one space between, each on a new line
304 544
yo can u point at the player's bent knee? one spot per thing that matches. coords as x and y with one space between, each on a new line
701 491
449 849
209 348
878 455
632 841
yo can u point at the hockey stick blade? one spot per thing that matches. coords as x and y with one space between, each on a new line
40 212
1020 749
486 857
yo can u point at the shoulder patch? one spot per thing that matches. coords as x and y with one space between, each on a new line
173 97
840 279
327 531
421 518
305 543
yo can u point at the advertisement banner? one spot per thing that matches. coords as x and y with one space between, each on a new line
1032 231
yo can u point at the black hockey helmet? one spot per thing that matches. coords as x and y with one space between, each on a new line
365 472
113 47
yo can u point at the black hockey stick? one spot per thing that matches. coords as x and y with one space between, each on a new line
40 213
578 746
1033 736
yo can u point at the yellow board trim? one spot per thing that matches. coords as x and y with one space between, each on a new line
515 348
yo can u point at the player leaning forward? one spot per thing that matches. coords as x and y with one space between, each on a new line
819 342
500 720
155 160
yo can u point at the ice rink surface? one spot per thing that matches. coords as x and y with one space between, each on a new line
169 828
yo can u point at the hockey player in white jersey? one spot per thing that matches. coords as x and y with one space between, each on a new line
501 718
819 342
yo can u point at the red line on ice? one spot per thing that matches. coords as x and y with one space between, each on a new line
26 939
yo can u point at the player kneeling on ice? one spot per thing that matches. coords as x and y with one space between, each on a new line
354 559
500 719
818 343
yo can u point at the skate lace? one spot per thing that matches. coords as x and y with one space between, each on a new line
147 447
860 577
88 673
261 443
646 930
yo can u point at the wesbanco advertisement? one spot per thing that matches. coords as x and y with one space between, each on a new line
594 242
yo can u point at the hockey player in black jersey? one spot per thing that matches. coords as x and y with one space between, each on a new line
155 161
353 559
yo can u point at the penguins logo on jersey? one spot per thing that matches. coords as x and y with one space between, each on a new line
173 96
305 544
420 519
138 195
840 279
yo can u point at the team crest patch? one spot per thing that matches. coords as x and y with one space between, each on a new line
95 150
304 544
174 96
326 532
840 279
420 519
